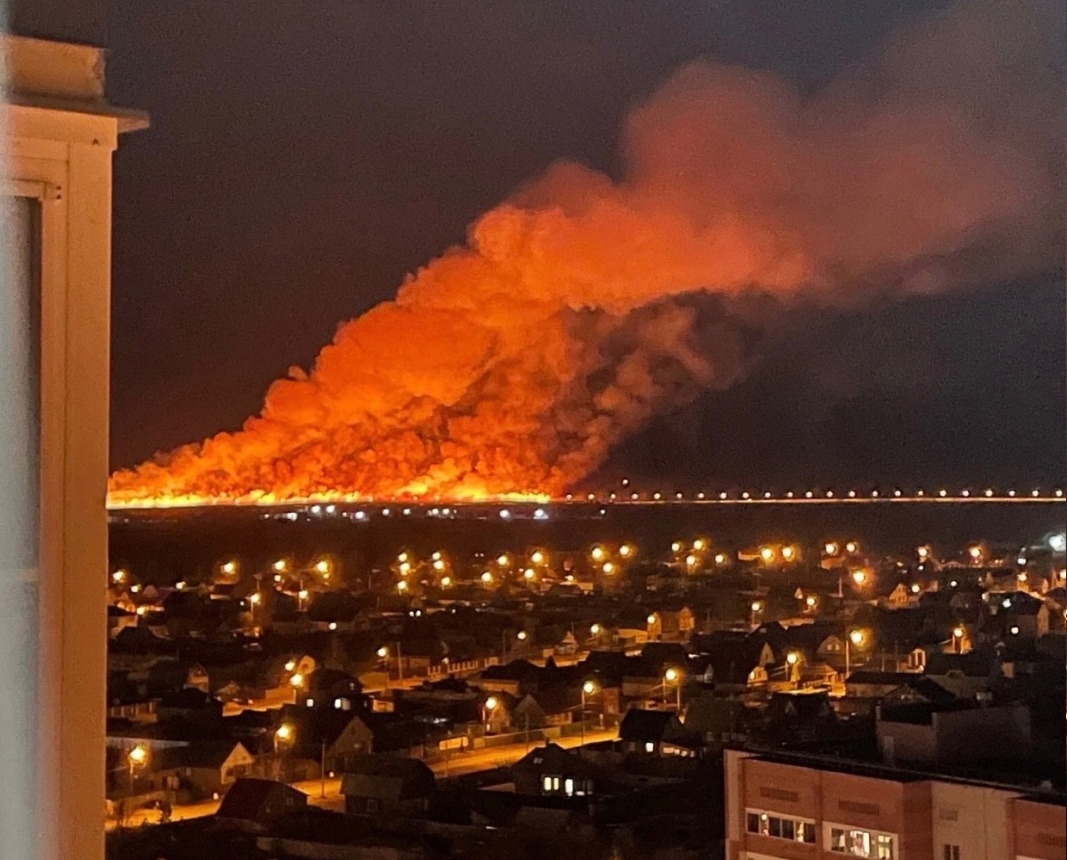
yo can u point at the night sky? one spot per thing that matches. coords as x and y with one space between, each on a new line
303 157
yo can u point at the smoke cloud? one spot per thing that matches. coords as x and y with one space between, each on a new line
512 364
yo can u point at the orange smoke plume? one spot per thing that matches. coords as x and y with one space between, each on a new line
512 365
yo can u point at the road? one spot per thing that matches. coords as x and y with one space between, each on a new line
327 794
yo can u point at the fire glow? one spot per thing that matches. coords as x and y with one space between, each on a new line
509 367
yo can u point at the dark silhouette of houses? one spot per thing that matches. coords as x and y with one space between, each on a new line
254 804
374 784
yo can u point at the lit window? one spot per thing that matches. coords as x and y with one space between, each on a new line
780 827
568 787
546 784
649 747
862 843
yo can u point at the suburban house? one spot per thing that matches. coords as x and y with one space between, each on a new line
374 784
551 771
205 767
253 805
651 732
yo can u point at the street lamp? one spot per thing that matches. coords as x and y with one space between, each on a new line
855 637
792 660
137 757
588 688
957 639
757 608
674 676
491 704
283 735
767 554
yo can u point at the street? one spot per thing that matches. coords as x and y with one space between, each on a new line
327 794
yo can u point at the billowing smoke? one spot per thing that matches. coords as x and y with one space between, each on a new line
513 364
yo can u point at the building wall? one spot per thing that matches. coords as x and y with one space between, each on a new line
1038 829
971 816
987 823
61 156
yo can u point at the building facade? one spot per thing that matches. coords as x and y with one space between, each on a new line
58 134
788 807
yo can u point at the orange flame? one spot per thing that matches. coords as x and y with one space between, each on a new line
509 367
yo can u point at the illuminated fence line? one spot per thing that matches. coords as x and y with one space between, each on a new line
631 498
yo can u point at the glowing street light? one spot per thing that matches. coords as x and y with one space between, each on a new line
691 560
975 552
280 565
720 558
229 567
608 568
626 550
537 557
674 676
856 638
859 577
255 598
119 576
851 547
529 574
439 565
405 568
296 681
597 553
383 652
322 566
487 577
503 559
589 687
830 548
402 586
521 636
436 556
403 557
290 665
957 639
788 553
676 546
700 544
767 554
810 601
446 581
595 629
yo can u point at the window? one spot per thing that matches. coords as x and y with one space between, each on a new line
780 827
20 464
568 787
951 852
650 747
862 843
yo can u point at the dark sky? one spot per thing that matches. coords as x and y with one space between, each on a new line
304 156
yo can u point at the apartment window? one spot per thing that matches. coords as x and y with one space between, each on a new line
951 852
779 826
862 843
20 432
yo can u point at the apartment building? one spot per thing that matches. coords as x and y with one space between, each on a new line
786 806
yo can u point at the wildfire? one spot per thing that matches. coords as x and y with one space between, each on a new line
509 367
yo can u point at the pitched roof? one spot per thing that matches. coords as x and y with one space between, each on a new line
386 777
643 725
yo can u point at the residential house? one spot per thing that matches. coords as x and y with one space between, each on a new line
205 767
386 784
253 805
963 674
551 771
651 732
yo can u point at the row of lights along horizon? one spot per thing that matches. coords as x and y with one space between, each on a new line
506 505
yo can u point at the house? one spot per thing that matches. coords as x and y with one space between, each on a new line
551 771
206 767
1019 614
716 719
253 805
376 784
650 732
799 716
963 674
